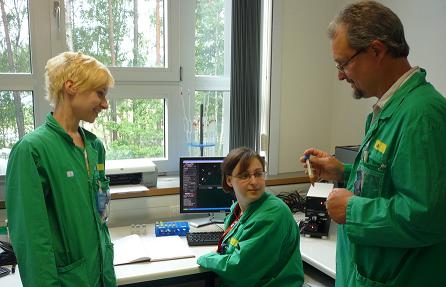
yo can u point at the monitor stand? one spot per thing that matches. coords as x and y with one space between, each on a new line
213 218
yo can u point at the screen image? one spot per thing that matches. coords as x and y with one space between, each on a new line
200 186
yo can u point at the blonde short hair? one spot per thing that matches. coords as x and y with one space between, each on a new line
86 72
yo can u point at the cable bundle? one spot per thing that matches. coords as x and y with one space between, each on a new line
294 200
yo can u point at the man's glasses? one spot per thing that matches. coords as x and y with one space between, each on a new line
341 67
246 175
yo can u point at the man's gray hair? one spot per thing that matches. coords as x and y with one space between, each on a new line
367 21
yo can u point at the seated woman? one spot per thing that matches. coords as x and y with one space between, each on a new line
260 246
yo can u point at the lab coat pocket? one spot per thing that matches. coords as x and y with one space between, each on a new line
364 281
109 271
74 274
372 180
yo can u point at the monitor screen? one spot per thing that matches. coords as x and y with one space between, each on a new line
200 186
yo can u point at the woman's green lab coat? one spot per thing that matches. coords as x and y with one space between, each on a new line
56 231
263 247
395 233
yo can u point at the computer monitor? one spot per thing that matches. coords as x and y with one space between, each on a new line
201 190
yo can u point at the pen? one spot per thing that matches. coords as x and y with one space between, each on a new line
309 169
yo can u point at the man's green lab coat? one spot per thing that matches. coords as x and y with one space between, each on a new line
55 228
395 234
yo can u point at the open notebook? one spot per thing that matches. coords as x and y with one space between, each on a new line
134 248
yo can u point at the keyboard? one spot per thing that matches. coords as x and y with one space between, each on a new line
203 238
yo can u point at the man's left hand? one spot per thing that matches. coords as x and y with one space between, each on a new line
336 204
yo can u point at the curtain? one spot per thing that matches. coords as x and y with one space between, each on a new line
245 74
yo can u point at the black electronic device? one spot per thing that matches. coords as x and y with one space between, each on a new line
201 190
4 271
317 221
203 238
346 154
7 256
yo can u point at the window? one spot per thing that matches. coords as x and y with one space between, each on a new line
133 36
212 71
14 48
210 38
168 57
132 128
16 120
16 104
207 120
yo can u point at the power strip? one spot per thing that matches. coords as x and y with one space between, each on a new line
180 228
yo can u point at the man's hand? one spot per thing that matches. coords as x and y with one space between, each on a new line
337 204
325 166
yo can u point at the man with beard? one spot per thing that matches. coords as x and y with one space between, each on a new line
391 214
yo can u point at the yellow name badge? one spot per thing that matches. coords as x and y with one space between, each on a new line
380 146
233 241
100 167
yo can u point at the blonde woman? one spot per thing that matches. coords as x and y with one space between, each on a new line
56 189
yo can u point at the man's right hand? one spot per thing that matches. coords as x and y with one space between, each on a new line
325 166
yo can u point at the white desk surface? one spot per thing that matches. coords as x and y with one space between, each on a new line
320 253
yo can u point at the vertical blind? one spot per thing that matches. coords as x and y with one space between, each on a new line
245 74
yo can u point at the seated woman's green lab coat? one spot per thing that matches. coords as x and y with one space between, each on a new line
262 247
56 231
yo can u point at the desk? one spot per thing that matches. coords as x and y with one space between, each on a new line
319 253
180 269
150 271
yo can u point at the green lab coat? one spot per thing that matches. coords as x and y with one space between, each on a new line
263 247
395 234
55 228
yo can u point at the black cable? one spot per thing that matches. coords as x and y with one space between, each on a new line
294 200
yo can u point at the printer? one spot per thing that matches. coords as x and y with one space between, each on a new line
132 171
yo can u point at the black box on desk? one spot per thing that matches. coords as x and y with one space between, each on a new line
317 221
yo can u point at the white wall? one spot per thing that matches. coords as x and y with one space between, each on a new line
425 30
305 101
315 108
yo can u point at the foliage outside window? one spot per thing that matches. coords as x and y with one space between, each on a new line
209 38
134 130
13 127
117 33
14 37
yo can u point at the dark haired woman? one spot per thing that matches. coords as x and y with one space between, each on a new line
260 245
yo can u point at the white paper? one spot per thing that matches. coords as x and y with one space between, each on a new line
320 189
129 249
167 248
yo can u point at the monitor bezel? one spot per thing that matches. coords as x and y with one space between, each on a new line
202 211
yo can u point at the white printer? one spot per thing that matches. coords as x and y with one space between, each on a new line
132 171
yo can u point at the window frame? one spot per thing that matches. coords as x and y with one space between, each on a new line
47 40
